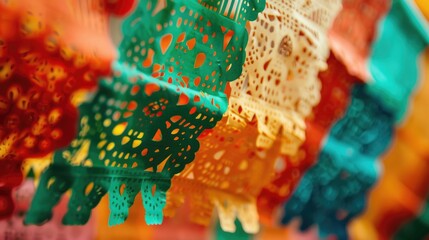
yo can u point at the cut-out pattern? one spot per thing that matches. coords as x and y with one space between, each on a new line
189 46
141 127
48 51
353 32
228 173
287 48
335 92
240 11
333 191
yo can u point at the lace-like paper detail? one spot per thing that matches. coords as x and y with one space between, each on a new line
141 128
393 81
288 46
353 32
336 88
333 192
228 173
48 51
220 173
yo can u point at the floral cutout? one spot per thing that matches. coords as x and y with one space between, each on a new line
49 50
288 47
142 125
